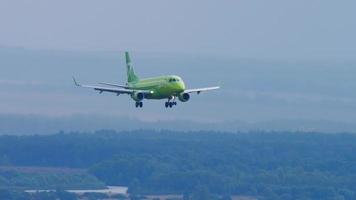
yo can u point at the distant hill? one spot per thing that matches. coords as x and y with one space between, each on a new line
271 94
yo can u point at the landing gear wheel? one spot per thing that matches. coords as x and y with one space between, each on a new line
138 104
170 104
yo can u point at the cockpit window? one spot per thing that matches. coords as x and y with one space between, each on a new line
173 80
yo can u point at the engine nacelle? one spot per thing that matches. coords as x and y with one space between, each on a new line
137 96
183 97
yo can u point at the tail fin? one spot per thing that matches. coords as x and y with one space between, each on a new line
131 76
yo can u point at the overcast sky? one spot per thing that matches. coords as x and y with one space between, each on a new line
275 59
278 29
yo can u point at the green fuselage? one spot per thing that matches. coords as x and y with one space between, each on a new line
162 87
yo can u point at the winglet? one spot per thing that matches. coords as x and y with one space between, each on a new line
75 82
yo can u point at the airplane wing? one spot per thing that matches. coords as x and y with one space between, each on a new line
115 85
199 90
111 89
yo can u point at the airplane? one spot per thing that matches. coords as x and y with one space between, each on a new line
162 87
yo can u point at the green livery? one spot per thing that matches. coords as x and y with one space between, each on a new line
131 76
162 87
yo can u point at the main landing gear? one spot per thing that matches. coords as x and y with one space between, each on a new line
139 104
170 103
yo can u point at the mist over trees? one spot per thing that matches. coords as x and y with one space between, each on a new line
272 165
44 125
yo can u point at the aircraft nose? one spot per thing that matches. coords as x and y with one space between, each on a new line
181 86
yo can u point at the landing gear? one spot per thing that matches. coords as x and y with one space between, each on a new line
138 104
170 103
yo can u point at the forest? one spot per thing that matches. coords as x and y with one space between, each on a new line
265 165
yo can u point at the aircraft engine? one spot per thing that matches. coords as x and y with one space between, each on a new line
137 96
183 97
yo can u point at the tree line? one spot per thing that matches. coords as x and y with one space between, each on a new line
267 165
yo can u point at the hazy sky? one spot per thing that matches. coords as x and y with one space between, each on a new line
303 29
275 59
